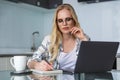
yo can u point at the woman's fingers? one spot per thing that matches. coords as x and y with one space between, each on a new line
78 32
75 30
48 65
44 66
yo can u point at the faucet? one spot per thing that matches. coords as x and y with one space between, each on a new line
33 47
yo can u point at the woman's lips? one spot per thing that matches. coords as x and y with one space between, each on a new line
66 28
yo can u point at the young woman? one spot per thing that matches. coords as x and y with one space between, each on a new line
62 45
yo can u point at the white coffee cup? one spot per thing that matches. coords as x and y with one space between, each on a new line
19 63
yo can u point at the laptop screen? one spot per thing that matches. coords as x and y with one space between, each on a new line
96 56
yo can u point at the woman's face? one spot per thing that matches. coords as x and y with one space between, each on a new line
65 21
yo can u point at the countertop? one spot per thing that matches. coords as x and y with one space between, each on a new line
27 53
13 52
118 55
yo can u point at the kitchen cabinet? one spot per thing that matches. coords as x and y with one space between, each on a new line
48 4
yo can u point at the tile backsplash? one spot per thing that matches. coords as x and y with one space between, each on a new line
5 63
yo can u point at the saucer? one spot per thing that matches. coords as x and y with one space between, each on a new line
21 72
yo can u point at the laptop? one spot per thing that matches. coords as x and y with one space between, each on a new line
96 56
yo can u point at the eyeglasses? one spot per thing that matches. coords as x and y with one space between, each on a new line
66 20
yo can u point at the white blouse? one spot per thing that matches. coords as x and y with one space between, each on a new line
67 61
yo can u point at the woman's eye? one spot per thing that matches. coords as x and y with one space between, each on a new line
60 20
68 19
65 20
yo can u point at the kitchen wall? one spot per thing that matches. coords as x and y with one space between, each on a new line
17 23
99 20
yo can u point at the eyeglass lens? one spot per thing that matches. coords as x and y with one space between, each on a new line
66 20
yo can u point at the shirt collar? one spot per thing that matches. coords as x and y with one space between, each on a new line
78 42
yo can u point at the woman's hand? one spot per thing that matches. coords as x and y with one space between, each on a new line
43 65
78 32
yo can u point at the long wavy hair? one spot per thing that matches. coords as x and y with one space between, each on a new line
56 35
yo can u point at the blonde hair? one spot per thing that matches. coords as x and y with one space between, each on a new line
56 35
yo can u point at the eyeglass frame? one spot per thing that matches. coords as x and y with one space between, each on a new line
67 19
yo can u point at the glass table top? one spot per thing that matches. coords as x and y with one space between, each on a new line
113 75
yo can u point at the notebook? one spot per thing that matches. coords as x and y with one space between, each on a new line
47 72
96 56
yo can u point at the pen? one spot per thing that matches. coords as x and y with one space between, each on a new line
47 61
